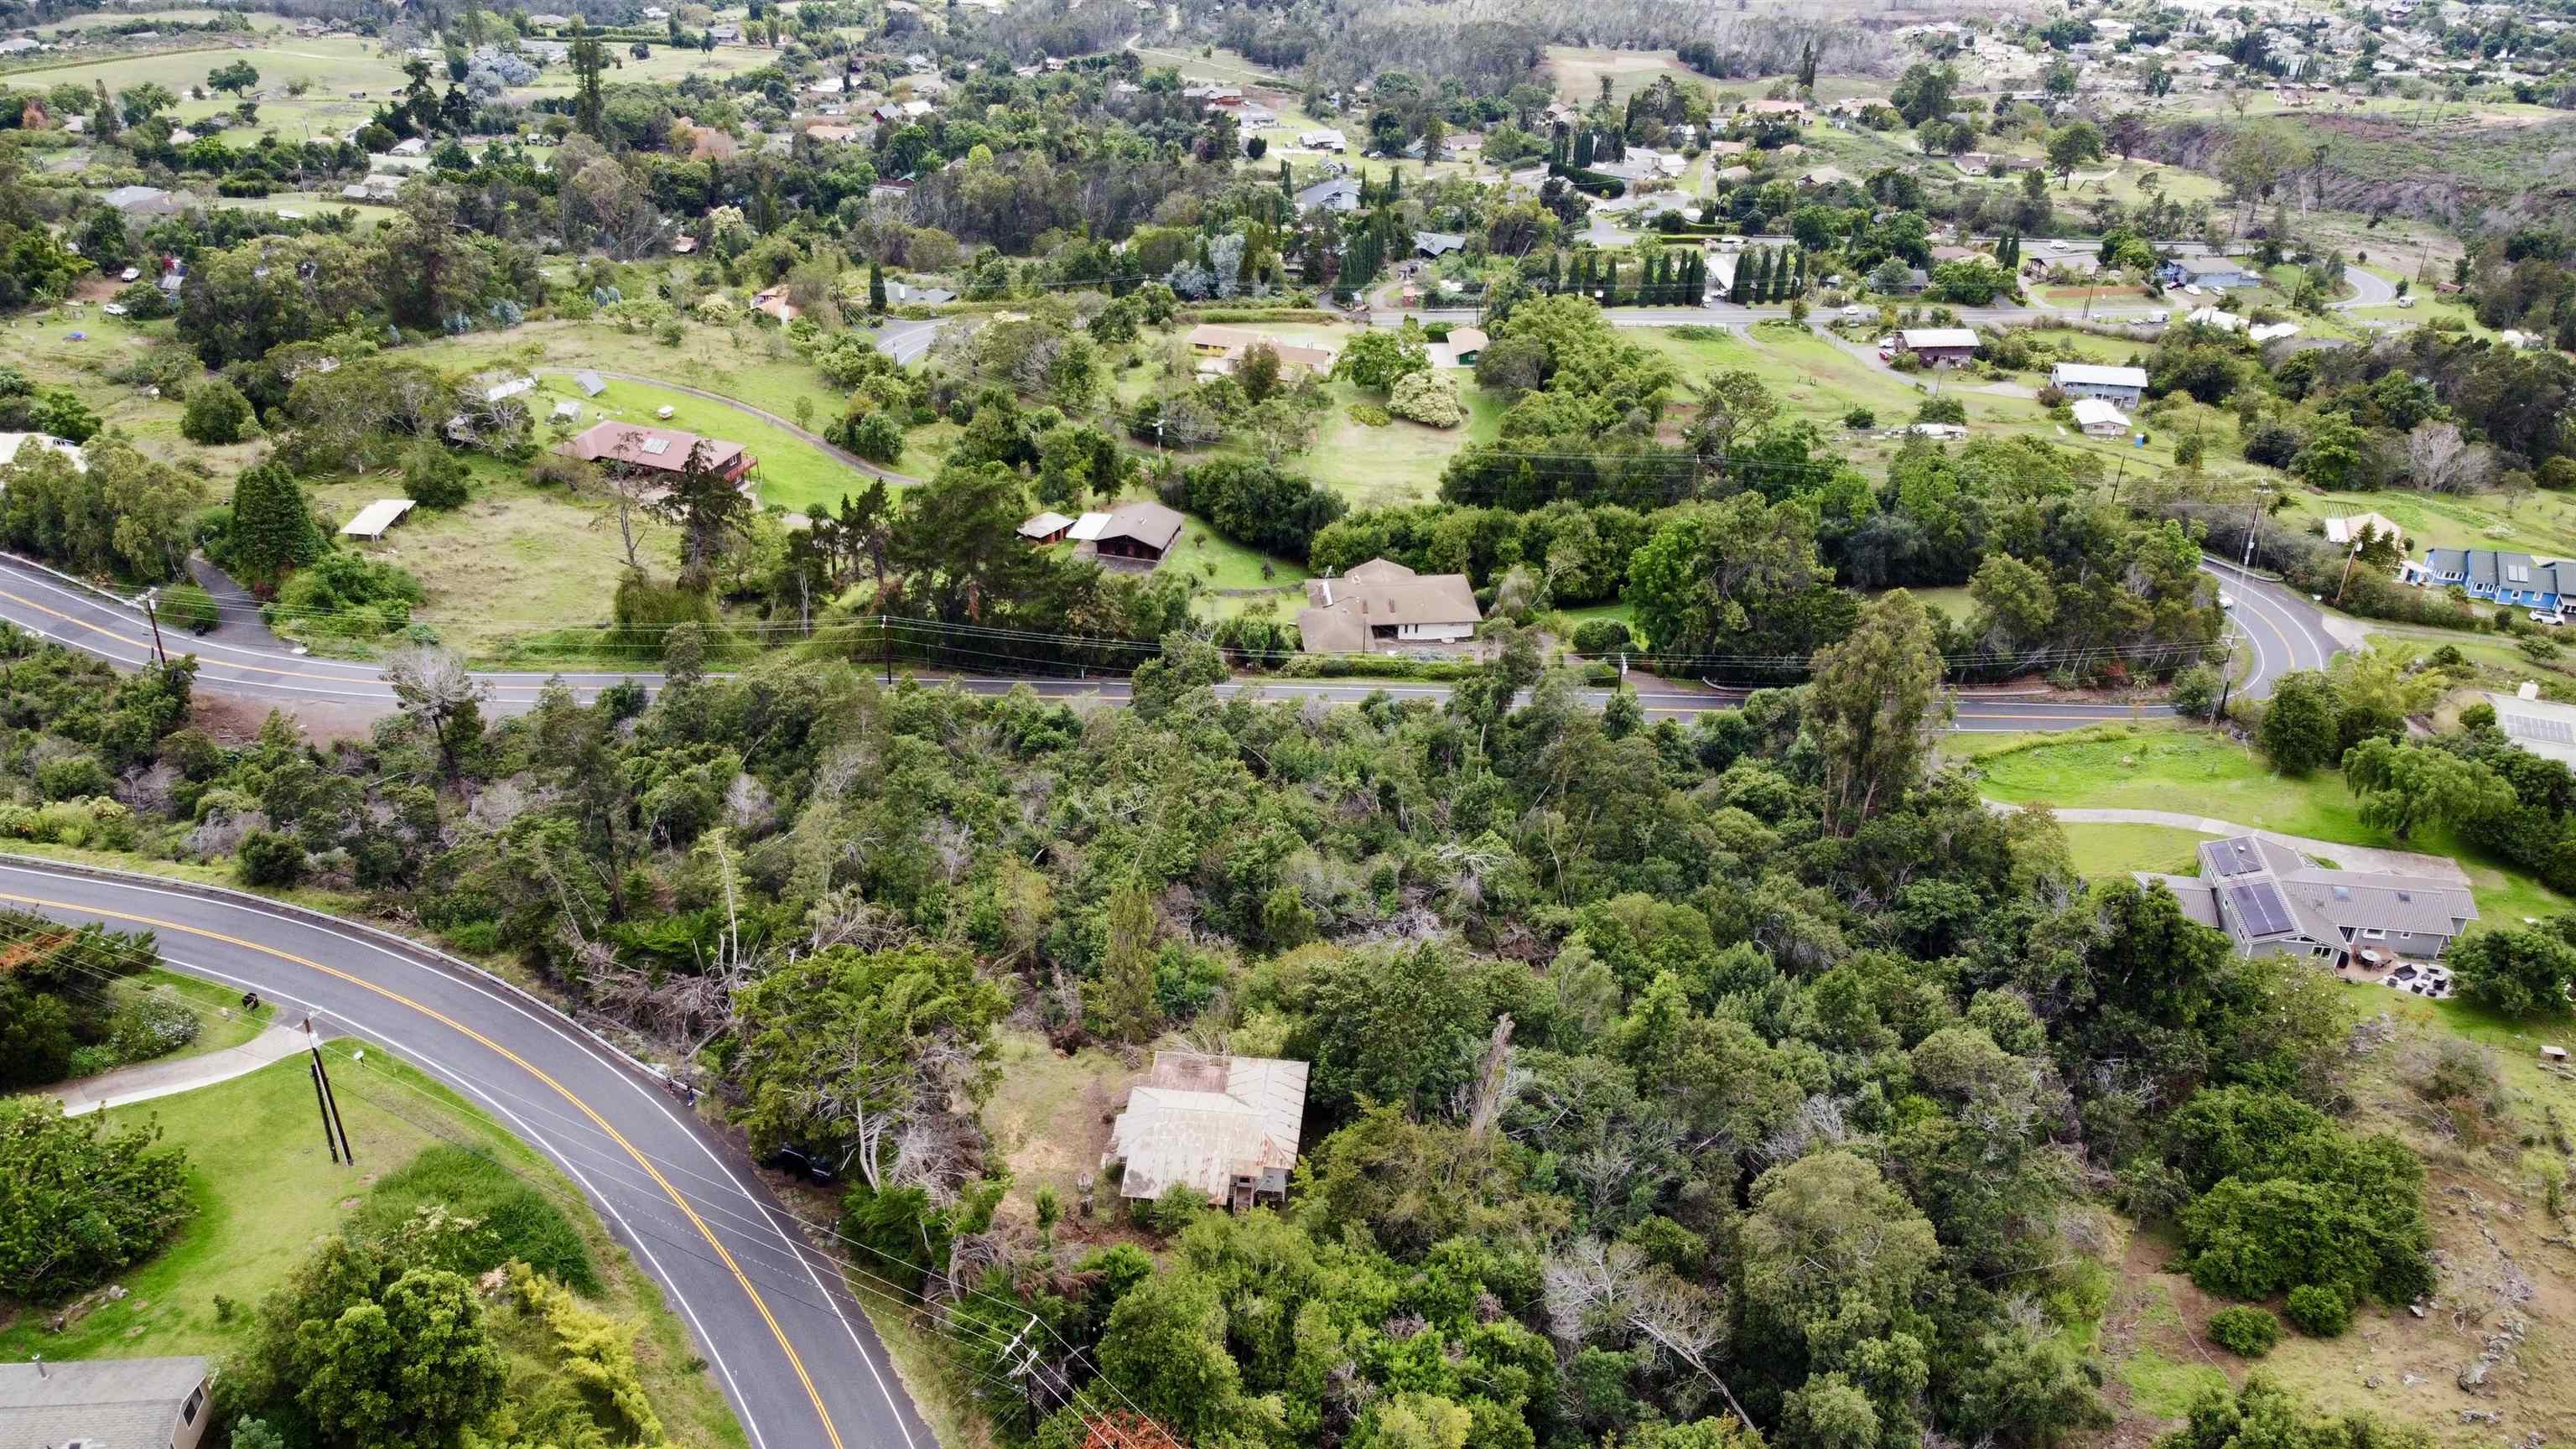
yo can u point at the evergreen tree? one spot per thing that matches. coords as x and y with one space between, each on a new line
1555 274
1583 150
589 61
876 287
1128 1010
1798 288
103 120
1736 287
272 531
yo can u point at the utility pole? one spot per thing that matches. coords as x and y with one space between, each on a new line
151 611
329 1102
885 645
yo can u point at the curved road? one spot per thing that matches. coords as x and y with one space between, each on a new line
2282 631
801 1366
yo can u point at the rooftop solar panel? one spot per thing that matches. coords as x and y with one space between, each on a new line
2238 857
2259 905
2536 727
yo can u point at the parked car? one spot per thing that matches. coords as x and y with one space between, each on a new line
794 1160
2543 616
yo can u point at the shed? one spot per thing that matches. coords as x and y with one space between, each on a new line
375 518
591 383
1938 345
1046 528
2099 419
1466 342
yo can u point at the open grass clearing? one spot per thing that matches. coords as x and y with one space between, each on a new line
2543 523
2116 850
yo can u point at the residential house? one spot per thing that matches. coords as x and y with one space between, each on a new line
149 201
2349 529
2271 900
835 135
410 146
902 292
773 302
2218 318
12 444
1824 176
2125 386
895 113
1328 138
1466 344
1143 532
114 1403
1794 109
638 449
2096 418
1221 349
1382 604
2217 273
2544 727
1342 193
1046 528
1938 346
1437 243
1227 1127
2510 578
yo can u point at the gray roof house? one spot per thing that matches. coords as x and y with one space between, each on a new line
1342 193
1437 243
114 1403
2271 900
1226 1126
2506 576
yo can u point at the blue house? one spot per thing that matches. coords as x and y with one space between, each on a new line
2504 577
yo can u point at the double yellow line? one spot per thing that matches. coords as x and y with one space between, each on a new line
523 1064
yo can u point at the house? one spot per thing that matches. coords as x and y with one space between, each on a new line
127 1403
2223 321
19 45
837 135
410 146
1327 139
1225 1126
1437 243
2349 529
2271 900
1046 528
636 448
1797 109
684 244
2096 418
1221 349
706 143
928 296
2509 578
548 20
2218 273
12 444
148 201
508 387
1938 346
895 113
1140 531
1466 343
1382 604
2125 386
773 303
2544 727
1342 193
375 518
1824 176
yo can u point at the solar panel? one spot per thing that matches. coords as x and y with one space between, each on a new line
2536 727
2259 905
2238 857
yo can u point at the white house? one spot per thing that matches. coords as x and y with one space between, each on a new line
2098 419
2125 386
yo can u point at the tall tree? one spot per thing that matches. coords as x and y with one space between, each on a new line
273 533
1875 695
711 511
1127 1006
589 62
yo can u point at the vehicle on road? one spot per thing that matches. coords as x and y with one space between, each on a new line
1855 310
2543 616
2226 600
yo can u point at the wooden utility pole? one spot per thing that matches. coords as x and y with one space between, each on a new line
152 612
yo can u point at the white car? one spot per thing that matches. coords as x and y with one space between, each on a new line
2543 616
2226 600
2191 289
114 309
2061 246
1730 241
1855 310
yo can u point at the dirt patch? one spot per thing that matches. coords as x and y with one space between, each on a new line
1050 1118
234 719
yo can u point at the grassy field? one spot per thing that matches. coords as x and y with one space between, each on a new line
1402 461
2197 772
266 1191
2543 523
1576 72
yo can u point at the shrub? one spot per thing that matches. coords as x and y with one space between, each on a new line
73 777
434 477
349 595
1860 419
2195 692
188 607
2245 1331
1426 398
1942 409
1178 1207
1369 415
1602 636
268 858
2319 1311
110 1198
216 414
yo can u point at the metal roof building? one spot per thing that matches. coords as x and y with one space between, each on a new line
1227 1126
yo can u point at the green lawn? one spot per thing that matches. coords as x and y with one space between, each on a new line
2115 850
2542 523
1402 461
793 473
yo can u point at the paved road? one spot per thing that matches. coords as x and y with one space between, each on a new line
800 1364
2281 632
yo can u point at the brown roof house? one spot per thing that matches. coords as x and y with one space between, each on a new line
1224 1126
1140 531
634 447
1382 604
115 1403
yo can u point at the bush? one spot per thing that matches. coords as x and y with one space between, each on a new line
434 477
1860 420
1178 1207
268 858
216 414
2244 1331
348 595
1603 636
1426 398
188 607
1369 415
1942 409
106 1198
2319 1312
2195 692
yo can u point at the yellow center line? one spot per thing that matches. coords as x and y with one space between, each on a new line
522 1064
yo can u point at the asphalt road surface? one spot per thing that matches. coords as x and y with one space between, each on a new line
799 1362
2280 631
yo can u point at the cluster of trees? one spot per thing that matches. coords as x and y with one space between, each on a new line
115 513
1762 1088
62 1014
81 1202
